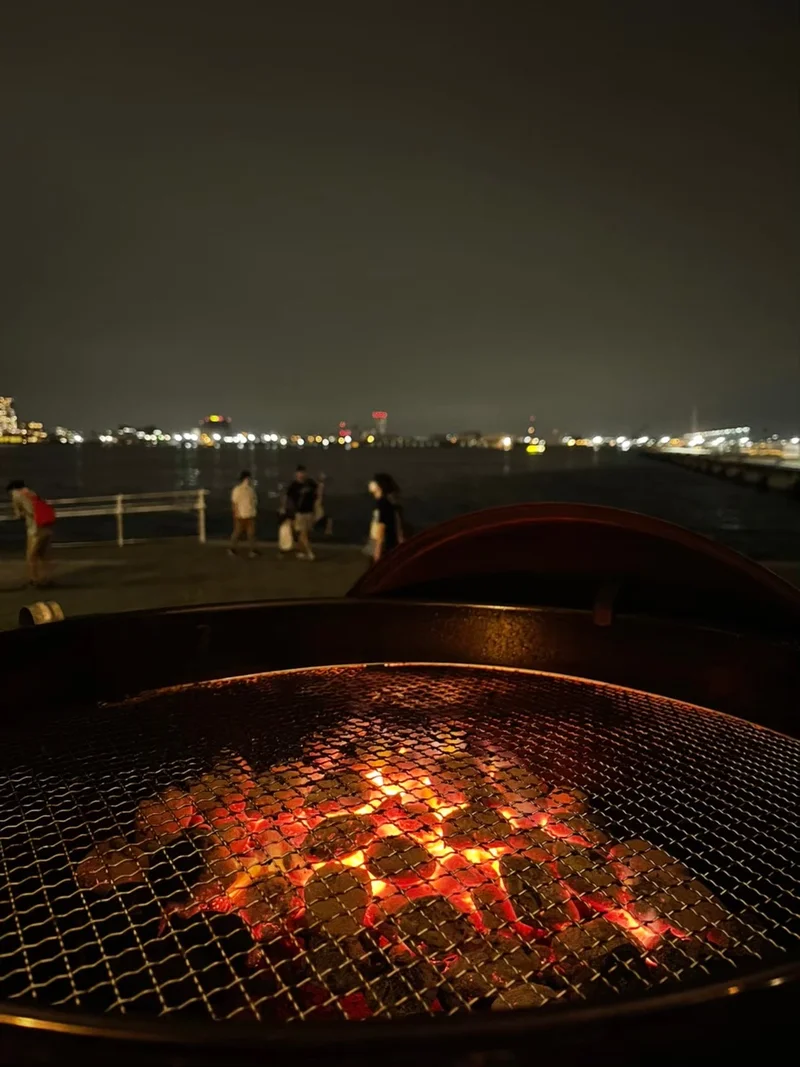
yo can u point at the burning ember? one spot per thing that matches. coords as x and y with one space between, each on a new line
387 881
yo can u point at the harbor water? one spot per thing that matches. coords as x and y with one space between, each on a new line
436 484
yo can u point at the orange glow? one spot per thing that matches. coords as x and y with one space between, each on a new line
355 859
388 829
443 812
464 902
647 936
394 801
513 818
477 855
437 847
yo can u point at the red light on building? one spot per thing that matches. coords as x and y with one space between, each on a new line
379 416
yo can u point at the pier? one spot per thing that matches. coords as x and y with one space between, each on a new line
764 475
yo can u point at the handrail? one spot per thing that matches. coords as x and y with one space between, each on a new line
120 504
169 495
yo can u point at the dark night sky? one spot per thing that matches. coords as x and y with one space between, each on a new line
463 212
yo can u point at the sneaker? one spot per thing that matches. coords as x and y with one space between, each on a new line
231 553
252 555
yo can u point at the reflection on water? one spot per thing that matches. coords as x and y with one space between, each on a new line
189 475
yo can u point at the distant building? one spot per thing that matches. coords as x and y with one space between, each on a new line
344 434
66 436
14 432
8 417
379 419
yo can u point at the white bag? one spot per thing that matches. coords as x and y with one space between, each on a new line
286 536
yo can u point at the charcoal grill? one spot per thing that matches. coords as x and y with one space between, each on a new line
383 827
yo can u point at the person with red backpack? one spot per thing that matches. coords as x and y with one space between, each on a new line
40 519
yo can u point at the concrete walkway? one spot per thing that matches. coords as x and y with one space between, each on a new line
156 574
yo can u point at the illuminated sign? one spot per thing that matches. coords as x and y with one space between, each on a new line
379 415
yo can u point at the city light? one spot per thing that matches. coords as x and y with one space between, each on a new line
215 431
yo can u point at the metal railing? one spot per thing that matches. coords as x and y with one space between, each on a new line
121 504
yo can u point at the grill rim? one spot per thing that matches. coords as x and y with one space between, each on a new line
456 665
195 644
434 1031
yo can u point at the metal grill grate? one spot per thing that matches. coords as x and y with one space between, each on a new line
390 840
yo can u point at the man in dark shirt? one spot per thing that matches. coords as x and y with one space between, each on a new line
301 497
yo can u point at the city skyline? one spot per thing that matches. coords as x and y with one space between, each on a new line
588 211
375 429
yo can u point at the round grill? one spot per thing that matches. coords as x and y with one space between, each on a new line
383 841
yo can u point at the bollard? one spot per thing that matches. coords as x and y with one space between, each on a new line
43 611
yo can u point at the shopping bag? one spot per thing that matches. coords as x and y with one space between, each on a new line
286 536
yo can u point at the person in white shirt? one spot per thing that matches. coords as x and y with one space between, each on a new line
244 503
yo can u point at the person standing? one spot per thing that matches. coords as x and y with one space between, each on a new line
244 503
301 498
386 529
40 519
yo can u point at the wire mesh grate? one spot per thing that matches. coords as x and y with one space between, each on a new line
390 840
